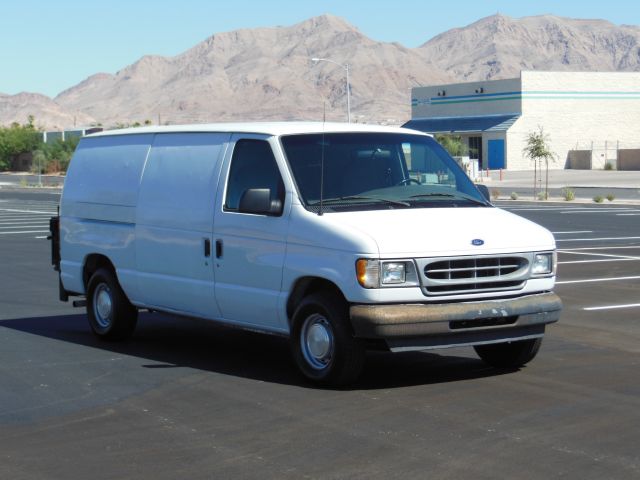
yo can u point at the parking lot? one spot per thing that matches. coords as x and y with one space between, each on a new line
186 399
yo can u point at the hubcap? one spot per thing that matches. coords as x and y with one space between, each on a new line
317 341
103 305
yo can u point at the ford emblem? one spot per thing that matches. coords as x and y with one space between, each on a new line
477 242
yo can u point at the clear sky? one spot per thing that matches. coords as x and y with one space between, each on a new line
47 46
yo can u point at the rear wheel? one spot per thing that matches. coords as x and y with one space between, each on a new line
110 313
509 355
322 343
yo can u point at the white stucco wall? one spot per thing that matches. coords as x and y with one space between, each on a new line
576 110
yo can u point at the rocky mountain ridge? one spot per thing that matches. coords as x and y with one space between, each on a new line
267 73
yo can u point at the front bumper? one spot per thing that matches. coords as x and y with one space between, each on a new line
443 325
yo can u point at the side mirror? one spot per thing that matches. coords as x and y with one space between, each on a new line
484 190
258 201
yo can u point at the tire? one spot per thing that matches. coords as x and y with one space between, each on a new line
322 343
509 355
111 315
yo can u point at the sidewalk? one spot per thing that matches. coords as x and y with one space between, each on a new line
586 184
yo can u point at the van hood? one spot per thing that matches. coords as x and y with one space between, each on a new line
446 231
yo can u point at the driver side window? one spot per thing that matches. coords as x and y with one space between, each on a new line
253 166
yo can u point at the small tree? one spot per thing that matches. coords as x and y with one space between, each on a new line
453 144
539 149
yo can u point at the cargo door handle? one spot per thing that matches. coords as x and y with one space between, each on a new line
207 247
218 248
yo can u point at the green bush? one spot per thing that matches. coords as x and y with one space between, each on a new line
514 196
568 194
543 196
608 166
611 197
17 139
495 193
598 199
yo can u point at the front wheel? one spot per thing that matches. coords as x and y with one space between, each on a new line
509 355
111 315
323 346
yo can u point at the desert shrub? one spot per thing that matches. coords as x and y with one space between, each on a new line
568 194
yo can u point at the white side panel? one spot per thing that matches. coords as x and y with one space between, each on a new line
106 171
174 219
98 207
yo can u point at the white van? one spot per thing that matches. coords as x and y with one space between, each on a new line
342 237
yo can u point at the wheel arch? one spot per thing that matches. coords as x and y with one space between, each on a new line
304 287
94 262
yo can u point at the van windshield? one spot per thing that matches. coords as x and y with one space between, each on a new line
367 171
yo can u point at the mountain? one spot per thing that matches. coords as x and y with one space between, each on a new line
47 113
267 73
261 74
500 46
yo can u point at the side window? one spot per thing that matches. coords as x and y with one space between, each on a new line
252 166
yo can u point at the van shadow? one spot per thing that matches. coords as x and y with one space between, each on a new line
169 342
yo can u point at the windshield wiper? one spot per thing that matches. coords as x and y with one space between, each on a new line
450 195
334 201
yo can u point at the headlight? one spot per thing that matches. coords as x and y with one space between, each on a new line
395 273
543 263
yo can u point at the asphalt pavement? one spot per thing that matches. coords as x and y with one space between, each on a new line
188 399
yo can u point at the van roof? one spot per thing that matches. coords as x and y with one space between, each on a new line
267 128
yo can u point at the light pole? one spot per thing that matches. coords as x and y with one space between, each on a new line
346 67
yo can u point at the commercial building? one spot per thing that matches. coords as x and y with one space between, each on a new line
591 118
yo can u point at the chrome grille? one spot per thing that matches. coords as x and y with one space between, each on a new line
451 275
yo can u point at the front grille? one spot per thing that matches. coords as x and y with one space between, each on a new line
446 276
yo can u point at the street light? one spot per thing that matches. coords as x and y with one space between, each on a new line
346 67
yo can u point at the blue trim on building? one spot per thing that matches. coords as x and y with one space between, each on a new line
483 123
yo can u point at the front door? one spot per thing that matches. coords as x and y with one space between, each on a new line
496 154
249 249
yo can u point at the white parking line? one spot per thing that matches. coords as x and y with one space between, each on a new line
10 227
600 261
591 280
620 247
598 210
23 220
627 214
612 307
569 252
28 231
574 231
14 210
595 239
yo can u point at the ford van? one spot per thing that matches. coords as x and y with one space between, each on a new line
341 237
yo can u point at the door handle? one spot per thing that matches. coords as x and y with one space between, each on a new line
218 248
207 247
